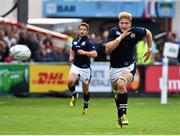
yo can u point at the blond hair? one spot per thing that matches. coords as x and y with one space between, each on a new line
125 15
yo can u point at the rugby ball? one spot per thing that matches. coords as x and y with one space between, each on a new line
20 52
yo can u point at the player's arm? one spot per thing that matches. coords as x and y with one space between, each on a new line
110 46
148 37
92 53
71 56
91 50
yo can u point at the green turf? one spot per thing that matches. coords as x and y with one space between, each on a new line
54 116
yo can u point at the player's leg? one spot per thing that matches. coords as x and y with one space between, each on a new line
115 90
72 78
86 97
85 77
122 96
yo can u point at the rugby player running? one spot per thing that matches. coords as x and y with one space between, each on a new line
82 50
120 45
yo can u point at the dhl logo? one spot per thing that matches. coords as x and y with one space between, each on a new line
50 78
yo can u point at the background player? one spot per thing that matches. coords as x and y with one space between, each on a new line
82 50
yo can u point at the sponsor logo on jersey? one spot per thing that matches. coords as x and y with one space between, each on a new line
118 33
75 42
133 35
77 46
83 43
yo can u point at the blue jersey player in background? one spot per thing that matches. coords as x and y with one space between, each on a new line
82 50
120 45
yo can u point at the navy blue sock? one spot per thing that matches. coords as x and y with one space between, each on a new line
122 101
86 99
72 89
117 106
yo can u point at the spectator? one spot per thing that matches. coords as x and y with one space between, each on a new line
34 44
10 39
100 47
2 35
172 38
3 51
23 38
141 48
47 42
41 55
70 32
56 55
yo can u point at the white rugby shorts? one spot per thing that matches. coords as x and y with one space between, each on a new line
114 73
83 73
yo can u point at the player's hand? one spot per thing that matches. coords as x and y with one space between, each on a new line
81 52
125 33
147 55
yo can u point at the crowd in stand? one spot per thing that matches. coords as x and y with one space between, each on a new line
44 48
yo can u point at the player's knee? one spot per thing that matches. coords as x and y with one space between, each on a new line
121 87
70 83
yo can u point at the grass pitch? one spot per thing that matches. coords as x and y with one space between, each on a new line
29 116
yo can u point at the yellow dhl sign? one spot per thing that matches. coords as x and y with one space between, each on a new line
47 78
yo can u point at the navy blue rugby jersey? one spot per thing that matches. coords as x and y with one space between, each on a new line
85 44
124 54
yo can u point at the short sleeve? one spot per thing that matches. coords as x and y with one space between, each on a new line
73 45
91 46
141 32
111 35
